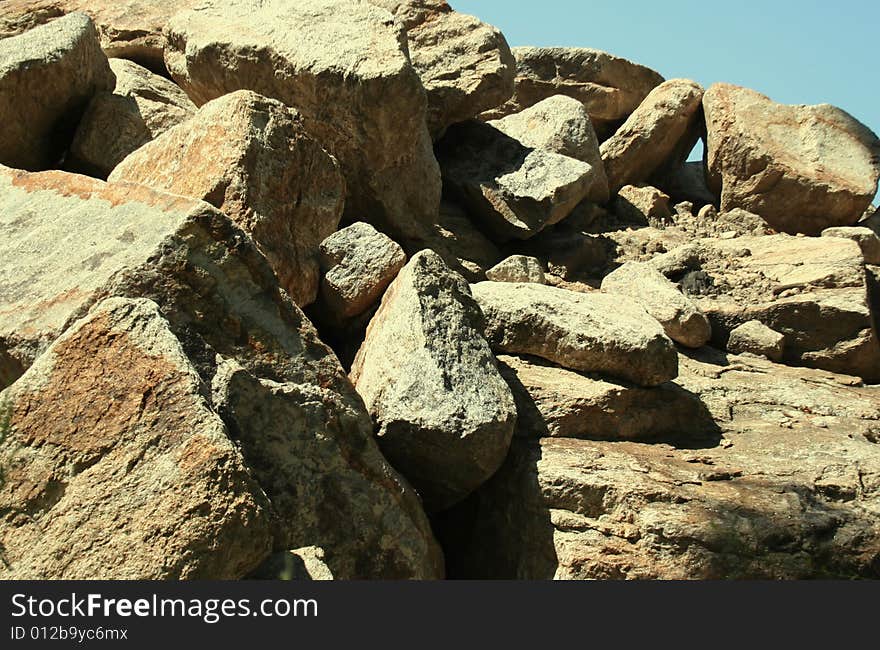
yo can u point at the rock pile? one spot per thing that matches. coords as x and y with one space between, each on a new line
378 296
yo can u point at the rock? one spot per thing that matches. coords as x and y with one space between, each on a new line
562 125
739 508
515 190
681 319
802 168
518 268
871 220
687 182
299 564
443 414
252 158
569 254
47 77
610 87
465 65
141 107
586 332
555 402
116 468
753 337
280 391
660 133
642 205
464 248
866 238
343 66
358 263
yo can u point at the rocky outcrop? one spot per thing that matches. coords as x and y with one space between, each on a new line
343 66
443 414
47 77
141 107
586 332
802 168
252 158
866 238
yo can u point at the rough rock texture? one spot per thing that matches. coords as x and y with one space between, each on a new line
687 182
754 337
141 107
515 190
660 133
343 66
610 87
681 319
642 205
443 413
358 263
299 564
47 77
117 468
788 488
252 158
802 168
560 124
587 332
518 268
465 65
866 238
464 248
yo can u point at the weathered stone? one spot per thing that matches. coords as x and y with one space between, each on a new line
754 337
141 107
343 66
569 254
660 133
681 319
791 490
871 220
555 402
586 332
299 564
562 125
443 413
251 157
610 87
518 268
47 77
116 468
687 182
464 248
642 205
866 238
358 264
515 190
802 168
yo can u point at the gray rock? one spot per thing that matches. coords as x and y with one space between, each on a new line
443 413
687 182
754 337
866 238
518 268
586 332
464 248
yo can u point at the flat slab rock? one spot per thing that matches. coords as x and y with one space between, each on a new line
789 488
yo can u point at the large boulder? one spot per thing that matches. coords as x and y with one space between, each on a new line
47 77
343 66
252 158
587 332
116 467
515 190
609 86
789 487
802 168
659 134
444 416
141 107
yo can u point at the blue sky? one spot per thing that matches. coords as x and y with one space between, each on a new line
797 52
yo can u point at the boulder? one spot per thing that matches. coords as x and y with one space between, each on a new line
609 86
344 66
562 125
141 107
681 319
116 467
867 239
660 134
252 158
802 168
788 488
299 564
753 337
443 414
642 204
47 77
358 264
569 254
687 182
518 268
464 248
586 332
515 190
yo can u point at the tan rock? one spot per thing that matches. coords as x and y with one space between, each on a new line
642 205
518 268
47 77
251 157
802 168
866 238
754 337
